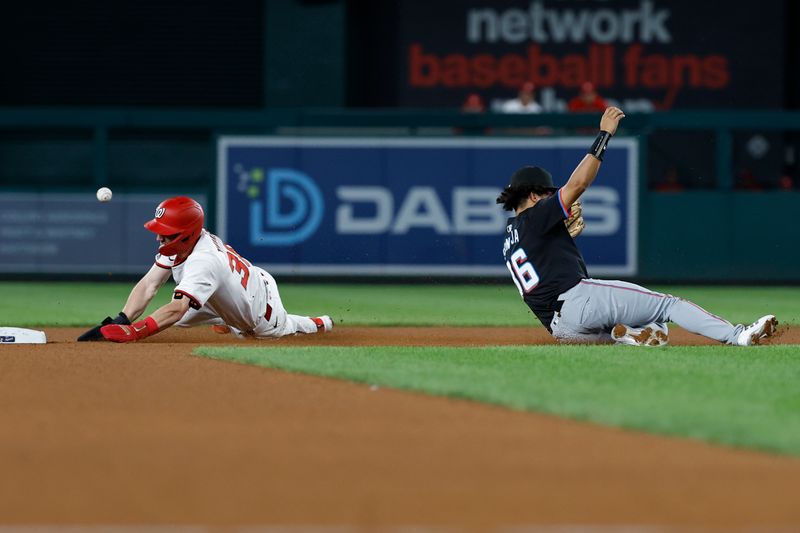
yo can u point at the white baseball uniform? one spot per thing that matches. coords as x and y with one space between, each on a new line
224 288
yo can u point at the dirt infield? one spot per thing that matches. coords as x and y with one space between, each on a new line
406 336
145 433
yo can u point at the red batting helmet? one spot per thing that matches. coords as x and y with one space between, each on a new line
180 216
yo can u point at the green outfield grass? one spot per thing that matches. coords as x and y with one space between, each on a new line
81 304
744 397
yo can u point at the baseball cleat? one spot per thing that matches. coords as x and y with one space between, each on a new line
220 329
324 323
762 328
653 334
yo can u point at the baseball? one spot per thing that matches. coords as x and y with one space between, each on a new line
104 194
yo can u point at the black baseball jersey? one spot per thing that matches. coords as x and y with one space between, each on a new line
541 256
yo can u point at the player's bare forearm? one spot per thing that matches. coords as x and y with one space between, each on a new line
138 300
143 292
167 315
584 174
581 178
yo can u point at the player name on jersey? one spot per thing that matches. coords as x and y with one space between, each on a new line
511 240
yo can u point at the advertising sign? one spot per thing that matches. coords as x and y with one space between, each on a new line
75 234
643 55
406 206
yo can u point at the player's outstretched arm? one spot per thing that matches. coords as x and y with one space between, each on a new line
162 318
166 315
585 172
138 300
143 292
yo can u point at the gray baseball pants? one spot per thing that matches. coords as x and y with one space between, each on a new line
594 306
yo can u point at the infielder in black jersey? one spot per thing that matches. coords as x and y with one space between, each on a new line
550 273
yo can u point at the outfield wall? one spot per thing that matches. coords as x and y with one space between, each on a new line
711 234
720 236
407 206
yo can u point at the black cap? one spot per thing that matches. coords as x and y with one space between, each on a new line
535 176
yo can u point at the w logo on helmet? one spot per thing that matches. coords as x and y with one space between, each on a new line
293 209
160 212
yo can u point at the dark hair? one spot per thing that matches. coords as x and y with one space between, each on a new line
514 195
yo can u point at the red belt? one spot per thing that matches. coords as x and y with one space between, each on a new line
268 314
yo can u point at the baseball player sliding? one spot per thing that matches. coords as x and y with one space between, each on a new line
550 273
214 286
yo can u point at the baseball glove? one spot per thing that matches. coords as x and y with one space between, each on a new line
94 333
575 223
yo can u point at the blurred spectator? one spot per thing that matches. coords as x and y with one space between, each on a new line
748 181
524 102
790 169
473 104
587 101
670 183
